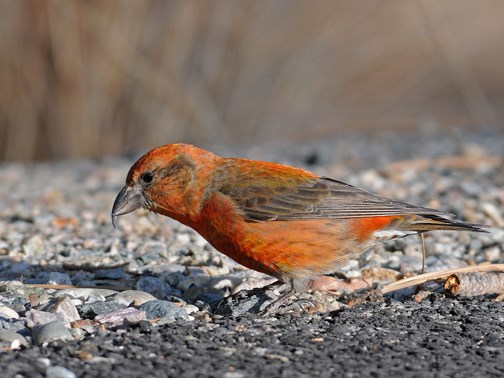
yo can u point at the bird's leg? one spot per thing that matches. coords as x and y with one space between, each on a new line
277 285
424 254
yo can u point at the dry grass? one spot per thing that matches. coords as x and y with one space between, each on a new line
87 78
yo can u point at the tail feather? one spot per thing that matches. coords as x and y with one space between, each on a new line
430 222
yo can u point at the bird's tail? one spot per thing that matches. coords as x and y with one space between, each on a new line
428 222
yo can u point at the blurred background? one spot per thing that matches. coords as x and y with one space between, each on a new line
94 78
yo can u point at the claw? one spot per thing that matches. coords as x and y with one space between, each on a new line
271 308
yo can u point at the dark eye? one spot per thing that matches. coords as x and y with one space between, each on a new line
147 177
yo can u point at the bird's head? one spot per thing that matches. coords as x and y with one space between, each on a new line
164 181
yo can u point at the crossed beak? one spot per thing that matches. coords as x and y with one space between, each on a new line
129 199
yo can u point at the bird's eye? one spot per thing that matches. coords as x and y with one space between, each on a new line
147 177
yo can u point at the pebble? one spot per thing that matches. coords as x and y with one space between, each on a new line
187 282
43 362
84 294
19 267
117 317
84 324
190 309
164 310
15 339
114 274
413 250
154 286
133 297
8 313
63 305
234 374
34 245
97 308
204 294
55 330
79 333
491 210
493 253
59 372
56 278
16 288
36 318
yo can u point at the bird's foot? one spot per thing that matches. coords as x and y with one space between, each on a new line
272 307
301 305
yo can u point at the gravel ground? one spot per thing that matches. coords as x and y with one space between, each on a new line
164 306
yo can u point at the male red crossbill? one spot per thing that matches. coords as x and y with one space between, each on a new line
279 220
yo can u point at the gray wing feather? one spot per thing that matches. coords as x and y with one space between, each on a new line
317 199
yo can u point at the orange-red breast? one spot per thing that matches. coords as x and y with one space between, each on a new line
279 220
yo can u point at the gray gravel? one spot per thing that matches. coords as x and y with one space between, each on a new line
165 304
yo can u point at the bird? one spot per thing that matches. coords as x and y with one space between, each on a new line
283 221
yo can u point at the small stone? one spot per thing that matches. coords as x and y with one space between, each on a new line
97 308
204 294
59 372
381 274
217 271
63 305
183 238
81 276
62 222
95 297
84 294
37 318
14 338
130 314
234 374
84 324
56 278
413 250
16 288
472 189
222 283
190 281
475 245
8 313
14 325
77 333
493 253
55 330
154 286
163 309
190 309
114 274
274 356
143 225
43 362
19 268
133 297
491 210
152 251
33 245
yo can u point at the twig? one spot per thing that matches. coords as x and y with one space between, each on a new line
441 274
61 287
